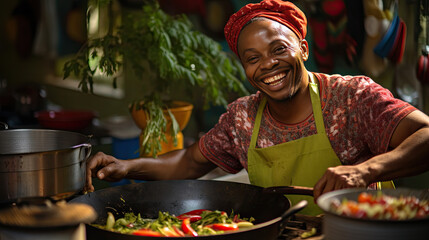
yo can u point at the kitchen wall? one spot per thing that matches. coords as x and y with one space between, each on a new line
30 68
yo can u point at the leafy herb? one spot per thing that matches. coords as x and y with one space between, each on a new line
175 53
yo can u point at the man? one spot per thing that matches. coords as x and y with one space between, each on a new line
307 129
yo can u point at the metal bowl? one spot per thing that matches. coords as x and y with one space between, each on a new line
343 227
65 119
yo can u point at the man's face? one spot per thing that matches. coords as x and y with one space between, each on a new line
272 57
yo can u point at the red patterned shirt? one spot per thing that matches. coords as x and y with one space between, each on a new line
359 115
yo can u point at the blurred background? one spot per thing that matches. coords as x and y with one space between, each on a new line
38 36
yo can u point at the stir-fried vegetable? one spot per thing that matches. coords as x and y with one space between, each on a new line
194 223
382 206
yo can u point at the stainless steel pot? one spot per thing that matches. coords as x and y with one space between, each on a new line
42 163
342 227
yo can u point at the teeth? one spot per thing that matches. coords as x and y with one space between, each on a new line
274 78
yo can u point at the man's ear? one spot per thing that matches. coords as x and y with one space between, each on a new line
304 49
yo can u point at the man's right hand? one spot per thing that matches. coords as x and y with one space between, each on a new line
104 167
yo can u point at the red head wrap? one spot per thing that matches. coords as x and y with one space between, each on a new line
281 11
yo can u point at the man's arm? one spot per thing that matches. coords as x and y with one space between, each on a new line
409 156
186 163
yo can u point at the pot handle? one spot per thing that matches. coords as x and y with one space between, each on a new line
86 147
5 126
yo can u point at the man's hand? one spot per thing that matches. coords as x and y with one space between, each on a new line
340 177
104 167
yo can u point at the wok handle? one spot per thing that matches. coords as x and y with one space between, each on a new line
295 190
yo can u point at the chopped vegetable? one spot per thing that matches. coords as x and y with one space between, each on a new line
169 232
187 229
308 234
195 212
244 224
194 215
192 218
194 223
147 232
382 206
178 231
110 221
223 226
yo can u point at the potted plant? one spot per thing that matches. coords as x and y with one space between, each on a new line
173 54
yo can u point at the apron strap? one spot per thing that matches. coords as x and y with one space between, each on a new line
317 111
257 122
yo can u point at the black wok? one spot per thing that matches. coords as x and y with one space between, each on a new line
268 206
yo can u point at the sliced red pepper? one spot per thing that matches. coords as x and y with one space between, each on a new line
147 232
192 218
193 215
223 226
178 231
187 229
195 212
168 232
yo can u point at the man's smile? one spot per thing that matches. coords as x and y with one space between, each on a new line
274 80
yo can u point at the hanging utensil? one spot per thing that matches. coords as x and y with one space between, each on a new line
422 70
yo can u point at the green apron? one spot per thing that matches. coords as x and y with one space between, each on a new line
301 162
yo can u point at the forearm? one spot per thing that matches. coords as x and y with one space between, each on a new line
410 158
179 164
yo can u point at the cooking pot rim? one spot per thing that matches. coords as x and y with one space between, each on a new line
40 130
86 139
324 201
38 152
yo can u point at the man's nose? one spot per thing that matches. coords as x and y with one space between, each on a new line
269 62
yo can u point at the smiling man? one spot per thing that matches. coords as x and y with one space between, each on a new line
300 128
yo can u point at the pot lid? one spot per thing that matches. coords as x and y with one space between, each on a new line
50 215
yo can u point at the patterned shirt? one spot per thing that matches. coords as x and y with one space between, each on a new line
359 116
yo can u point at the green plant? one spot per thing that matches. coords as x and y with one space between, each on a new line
173 52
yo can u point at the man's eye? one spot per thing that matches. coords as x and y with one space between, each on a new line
279 50
252 59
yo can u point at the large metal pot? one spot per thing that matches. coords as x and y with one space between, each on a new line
41 163
270 208
342 227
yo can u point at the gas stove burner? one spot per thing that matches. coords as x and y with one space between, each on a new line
40 201
294 223
45 221
46 214
36 201
298 224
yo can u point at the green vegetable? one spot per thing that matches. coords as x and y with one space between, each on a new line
170 225
308 234
110 221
